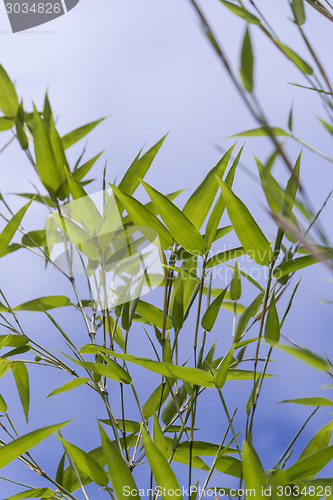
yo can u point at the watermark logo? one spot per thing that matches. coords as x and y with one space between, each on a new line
90 236
26 14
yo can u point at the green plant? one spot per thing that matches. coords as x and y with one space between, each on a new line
184 366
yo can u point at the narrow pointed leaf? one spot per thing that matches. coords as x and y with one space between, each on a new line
122 480
241 12
76 135
10 229
212 312
320 440
24 443
86 463
164 475
21 377
315 401
309 466
47 303
235 285
247 230
178 224
272 327
72 384
247 60
200 202
222 372
9 102
253 472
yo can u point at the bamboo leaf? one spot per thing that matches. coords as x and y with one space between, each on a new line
253 472
315 401
178 224
295 58
46 303
307 356
46 164
320 440
164 475
292 265
10 229
157 397
13 340
9 102
178 304
241 12
111 370
247 60
6 123
21 377
15 448
210 316
143 217
261 131
3 405
225 256
170 409
309 466
86 463
34 493
76 135
72 384
247 230
139 168
272 327
188 374
245 317
152 314
122 480
235 285
299 12
198 205
222 371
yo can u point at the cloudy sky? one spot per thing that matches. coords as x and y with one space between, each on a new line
148 67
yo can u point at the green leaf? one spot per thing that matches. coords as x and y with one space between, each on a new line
198 205
307 356
210 316
178 304
152 314
222 371
139 168
188 374
111 370
247 60
164 475
292 265
295 58
157 398
86 463
6 123
241 12
179 225
245 317
229 465
24 443
235 285
76 135
143 217
46 164
58 150
13 340
272 327
327 126
320 440
3 405
174 403
316 401
10 229
253 472
309 466
122 480
299 12
21 377
21 135
34 493
72 384
225 256
47 303
9 102
247 230
261 131
35 238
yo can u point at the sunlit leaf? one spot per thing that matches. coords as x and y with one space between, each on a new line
10 229
78 134
9 102
21 377
72 384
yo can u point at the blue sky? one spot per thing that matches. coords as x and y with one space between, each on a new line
148 68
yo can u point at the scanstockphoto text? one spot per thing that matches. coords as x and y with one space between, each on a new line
290 490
